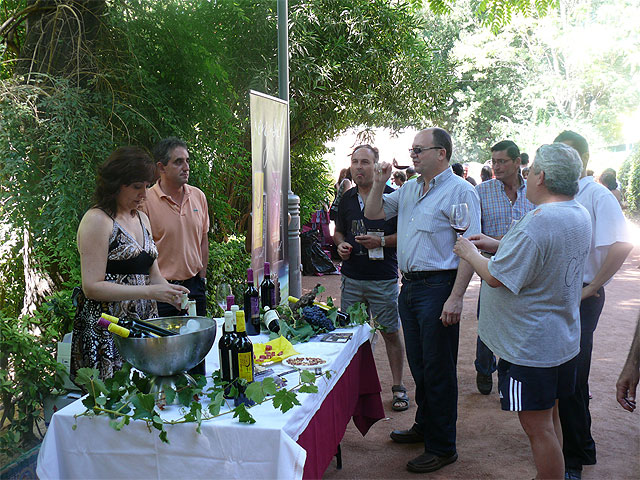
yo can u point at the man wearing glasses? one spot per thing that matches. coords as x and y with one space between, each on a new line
503 201
434 281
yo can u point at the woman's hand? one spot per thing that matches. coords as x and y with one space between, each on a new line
167 293
485 243
344 250
464 248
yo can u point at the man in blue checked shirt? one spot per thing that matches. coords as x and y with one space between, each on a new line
503 201
434 281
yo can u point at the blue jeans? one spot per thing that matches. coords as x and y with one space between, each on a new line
578 445
432 354
485 359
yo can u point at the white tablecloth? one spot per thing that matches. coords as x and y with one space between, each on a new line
224 449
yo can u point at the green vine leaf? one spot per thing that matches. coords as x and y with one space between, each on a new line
169 395
285 400
216 403
309 389
144 405
255 392
306 376
243 414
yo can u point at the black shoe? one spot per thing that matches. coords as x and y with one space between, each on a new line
484 383
428 462
572 474
413 435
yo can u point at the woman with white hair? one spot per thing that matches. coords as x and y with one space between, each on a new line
530 315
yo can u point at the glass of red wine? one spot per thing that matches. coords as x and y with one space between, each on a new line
459 217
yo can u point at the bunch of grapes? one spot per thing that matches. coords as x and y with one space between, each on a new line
316 317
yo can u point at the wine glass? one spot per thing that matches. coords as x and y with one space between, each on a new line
459 218
222 292
358 228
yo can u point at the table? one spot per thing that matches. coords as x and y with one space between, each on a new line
297 444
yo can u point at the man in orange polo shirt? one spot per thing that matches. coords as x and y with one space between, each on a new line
180 222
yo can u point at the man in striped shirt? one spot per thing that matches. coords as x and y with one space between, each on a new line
503 201
434 281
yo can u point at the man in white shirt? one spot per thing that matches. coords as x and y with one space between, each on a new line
610 245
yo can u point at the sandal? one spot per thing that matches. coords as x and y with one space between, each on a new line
400 398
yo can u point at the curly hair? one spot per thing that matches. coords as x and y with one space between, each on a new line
124 166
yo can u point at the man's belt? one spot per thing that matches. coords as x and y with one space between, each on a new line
425 275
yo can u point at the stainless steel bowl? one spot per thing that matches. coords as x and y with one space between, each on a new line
169 355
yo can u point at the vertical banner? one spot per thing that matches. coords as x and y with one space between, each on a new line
270 173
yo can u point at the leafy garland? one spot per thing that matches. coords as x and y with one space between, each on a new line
127 395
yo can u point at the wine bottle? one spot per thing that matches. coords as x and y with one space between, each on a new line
135 324
242 351
230 301
224 349
271 320
342 318
123 332
267 288
251 306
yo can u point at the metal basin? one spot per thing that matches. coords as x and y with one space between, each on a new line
169 355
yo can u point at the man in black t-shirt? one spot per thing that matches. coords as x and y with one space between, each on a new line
369 264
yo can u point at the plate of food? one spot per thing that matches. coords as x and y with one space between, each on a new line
305 362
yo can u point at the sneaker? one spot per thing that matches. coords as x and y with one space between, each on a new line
484 383
572 474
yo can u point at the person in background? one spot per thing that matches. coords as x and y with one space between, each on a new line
466 176
179 218
399 178
118 261
345 182
458 169
503 201
529 314
525 172
486 173
610 245
434 281
367 280
608 179
411 173
627 383
524 160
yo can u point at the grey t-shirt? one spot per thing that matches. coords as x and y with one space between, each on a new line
534 319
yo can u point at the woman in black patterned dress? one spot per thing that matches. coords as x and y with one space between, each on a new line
120 274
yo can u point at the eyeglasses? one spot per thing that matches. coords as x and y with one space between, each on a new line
419 150
501 161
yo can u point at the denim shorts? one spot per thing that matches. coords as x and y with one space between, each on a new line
381 297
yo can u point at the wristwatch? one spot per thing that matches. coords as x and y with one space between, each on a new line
382 242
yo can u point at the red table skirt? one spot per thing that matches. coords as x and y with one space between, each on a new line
357 396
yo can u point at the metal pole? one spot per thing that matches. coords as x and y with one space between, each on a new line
295 259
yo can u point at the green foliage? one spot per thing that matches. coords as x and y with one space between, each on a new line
629 177
28 374
228 263
127 396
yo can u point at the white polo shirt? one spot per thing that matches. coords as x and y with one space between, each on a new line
608 224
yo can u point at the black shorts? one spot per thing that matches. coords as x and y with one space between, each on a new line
534 388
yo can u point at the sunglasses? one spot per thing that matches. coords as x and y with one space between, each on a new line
419 150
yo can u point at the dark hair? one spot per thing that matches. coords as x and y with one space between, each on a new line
344 173
441 138
608 178
124 166
162 150
577 141
400 175
458 169
410 171
374 150
512 149
524 159
486 173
